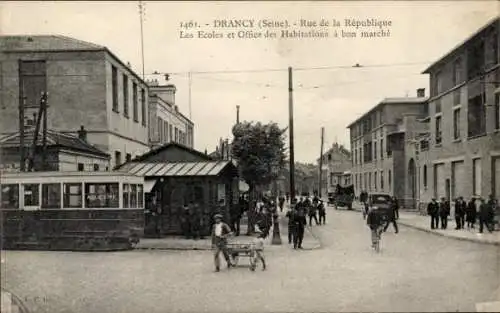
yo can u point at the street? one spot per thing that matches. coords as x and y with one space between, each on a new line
415 271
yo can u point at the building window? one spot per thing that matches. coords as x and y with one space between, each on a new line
143 107
51 196
476 177
33 81
31 194
457 72
10 196
81 167
114 88
370 181
439 83
101 195
176 134
72 195
367 152
374 150
125 96
96 167
375 180
133 196
126 196
118 158
170 132
166 129
456 124
424 175
456 97
356 156
160 130
475 59
381 149
497 111
476 119
128 157
438 105
135 109
389 179
438 130
381 180
424 145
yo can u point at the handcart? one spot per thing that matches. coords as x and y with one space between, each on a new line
237 250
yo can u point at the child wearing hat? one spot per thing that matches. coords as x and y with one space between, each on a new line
220 232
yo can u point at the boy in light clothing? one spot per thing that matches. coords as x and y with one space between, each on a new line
259 249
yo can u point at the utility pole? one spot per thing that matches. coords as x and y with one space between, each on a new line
142 11
22 163
290 129
43 103
237 114
321 162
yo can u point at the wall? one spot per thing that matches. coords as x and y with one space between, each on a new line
68 161
75 82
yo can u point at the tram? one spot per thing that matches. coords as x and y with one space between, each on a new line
89 211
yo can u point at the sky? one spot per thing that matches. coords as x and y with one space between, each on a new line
328 91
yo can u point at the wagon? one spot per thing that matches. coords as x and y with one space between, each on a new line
237 250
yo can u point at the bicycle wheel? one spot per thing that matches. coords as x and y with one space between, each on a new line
377 245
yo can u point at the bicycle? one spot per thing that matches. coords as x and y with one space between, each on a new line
378 237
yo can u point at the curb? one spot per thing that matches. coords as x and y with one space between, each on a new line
173 248
484 242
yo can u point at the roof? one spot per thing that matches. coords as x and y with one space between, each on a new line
55 43
54 139
167 146
461 44
391 101
171 169
44 42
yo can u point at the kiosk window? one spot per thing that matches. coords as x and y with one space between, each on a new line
133 196
126 195
140 196
73 195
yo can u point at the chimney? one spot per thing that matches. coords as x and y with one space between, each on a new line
421 92
82 133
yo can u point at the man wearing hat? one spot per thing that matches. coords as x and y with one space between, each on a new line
220 232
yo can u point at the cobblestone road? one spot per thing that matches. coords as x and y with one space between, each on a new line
416 271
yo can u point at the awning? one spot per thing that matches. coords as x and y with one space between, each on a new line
149 184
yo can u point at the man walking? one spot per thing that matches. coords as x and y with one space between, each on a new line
433 212
322 212
300 223
485 216
391 218
290 214
395 204
444 212
460 208
220 232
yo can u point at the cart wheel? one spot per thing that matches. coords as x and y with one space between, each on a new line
235 258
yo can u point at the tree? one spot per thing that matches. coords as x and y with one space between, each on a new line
259 150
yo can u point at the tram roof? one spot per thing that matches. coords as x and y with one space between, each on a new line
63 174
170 169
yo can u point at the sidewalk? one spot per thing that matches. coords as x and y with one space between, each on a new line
180 243
420 222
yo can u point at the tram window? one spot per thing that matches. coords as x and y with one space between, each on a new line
31 194
133 196
140 196
51 196
104 195
10 196
126 195
72 195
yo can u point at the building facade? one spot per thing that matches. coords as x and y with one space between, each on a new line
337 162
460 156
86 84
63 152
167 123
379 141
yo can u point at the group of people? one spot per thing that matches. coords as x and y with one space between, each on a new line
297 218
476 208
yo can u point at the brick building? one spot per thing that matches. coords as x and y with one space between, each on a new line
337 162
460 156
379 144
167 123
87 85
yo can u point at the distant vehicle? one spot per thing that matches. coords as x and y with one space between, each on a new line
344 196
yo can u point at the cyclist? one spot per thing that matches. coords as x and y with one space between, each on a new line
376 221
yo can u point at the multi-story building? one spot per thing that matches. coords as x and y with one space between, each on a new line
336 168
378 143
87 85
461 154
222 150
167 123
